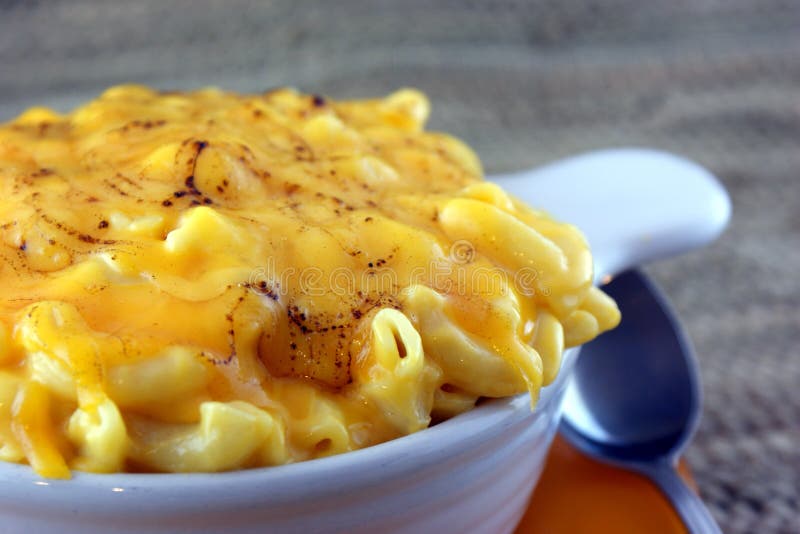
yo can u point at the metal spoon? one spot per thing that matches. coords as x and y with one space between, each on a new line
634 399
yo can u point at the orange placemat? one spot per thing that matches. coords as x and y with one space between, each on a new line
578 495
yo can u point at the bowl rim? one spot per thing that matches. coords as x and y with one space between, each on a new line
21 487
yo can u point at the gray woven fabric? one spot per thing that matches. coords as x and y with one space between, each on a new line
526 82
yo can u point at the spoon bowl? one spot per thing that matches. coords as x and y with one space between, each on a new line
635 398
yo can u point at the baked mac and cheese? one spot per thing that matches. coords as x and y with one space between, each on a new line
209 281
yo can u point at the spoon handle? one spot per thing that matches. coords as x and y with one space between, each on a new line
634 205
695 515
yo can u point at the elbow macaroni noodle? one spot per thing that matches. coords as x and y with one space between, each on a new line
209 281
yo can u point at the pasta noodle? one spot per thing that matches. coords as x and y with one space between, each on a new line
208 281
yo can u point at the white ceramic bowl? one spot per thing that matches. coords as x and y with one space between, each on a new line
472 473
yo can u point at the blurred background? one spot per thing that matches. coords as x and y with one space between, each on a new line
523 82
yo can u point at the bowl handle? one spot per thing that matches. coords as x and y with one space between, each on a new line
634 205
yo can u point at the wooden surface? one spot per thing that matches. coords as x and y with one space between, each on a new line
525 82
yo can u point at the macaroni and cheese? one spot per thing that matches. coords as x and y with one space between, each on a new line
208 281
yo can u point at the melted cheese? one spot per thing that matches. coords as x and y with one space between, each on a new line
206 281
